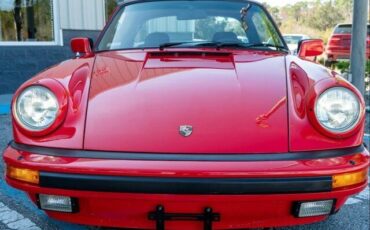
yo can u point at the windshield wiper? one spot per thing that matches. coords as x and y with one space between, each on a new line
219 45
203 44
170 44
181 44
267 45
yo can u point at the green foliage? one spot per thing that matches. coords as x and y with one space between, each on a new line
314 18
321 60
207 27
342 66
110 5
324 16
275 13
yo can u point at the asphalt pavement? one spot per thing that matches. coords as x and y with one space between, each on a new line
17 212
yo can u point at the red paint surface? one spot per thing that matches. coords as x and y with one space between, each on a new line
219 96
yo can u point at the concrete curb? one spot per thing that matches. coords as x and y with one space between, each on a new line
5 101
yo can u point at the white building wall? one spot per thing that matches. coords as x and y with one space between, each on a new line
81 14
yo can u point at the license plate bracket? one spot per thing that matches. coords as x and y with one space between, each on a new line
160 217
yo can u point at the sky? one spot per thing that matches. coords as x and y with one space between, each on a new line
280 2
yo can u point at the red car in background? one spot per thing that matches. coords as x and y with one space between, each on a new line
339 44
188 114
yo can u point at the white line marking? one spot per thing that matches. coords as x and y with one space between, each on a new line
14 220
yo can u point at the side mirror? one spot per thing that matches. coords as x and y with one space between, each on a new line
310 48
82 47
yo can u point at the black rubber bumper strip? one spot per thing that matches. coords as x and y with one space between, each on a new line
289 156
155 185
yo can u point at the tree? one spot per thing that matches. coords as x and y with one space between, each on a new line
323 16
205 29
275 13
18 18
30 19
297 10
345 8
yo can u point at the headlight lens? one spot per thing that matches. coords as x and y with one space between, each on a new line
36 108
338 109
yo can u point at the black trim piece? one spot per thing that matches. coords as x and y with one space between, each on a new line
290 156
155 185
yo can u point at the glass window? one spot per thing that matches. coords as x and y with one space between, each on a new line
151 24
343 29
347 29
26 20
188 30
294 40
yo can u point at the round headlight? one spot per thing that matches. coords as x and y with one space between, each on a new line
36 108
338 109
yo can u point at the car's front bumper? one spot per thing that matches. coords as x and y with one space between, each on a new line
247 192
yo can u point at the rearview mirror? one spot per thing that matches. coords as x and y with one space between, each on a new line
82 47
310 48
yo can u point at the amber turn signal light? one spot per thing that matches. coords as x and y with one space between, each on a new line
348 179
26 175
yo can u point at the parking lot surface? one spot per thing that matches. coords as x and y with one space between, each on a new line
17 212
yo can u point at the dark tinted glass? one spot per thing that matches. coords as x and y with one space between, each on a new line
347 29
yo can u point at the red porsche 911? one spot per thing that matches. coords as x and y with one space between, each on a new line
188 114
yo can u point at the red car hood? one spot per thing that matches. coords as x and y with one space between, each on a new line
235 102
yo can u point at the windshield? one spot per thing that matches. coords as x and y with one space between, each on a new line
294 40
193 23
347 29
343 29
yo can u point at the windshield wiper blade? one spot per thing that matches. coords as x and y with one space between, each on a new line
267 45
192 43
170 44
239 44
219 45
